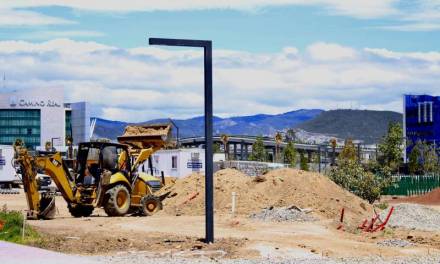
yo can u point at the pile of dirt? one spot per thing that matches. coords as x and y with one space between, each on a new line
150 130
430 198
278 188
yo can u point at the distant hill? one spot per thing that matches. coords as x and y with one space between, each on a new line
260 124
369 126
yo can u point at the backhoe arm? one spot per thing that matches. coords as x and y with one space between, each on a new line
42 205
53 166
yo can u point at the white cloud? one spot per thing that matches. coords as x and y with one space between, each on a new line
355 8
42 35
432 56
11 17
149 82
329 51
414 27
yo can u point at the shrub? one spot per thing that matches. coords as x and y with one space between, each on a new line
353 177
12 229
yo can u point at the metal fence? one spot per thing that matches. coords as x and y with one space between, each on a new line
409 185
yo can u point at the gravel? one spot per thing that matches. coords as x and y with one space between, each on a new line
283 214
414 216
395 243
145 259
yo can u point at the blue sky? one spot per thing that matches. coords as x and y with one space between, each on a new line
270 56
267 29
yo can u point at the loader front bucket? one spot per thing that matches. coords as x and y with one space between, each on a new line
146 136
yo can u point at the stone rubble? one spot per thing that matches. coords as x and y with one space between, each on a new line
283 214
413 216
395 243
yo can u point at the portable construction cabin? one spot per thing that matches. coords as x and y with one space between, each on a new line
8 174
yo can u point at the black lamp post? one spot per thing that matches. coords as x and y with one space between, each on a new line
209 183
51 143
177 132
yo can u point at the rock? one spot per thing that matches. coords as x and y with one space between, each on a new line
283 214
395 243
413 216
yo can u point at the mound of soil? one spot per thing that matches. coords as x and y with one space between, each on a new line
278 188
431 198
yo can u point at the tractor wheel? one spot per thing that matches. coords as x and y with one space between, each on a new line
150 204
77 210
118 201
47 206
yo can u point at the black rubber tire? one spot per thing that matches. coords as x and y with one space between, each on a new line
47 206
150 205
77 210
112 206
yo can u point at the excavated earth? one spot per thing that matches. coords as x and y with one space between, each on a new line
278 188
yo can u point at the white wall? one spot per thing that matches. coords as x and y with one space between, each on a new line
7 171
162 161
50 101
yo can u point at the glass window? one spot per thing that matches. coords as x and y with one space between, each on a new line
20 124
174 162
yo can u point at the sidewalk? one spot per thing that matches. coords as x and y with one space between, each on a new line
17 254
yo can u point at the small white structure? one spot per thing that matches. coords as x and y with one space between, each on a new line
177 162
8 173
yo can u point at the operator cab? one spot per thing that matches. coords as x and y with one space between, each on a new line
95 157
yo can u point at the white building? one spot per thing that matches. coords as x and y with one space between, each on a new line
38 116
177 162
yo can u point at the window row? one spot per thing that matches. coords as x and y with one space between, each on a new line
19 113
19 131
16 122
8 140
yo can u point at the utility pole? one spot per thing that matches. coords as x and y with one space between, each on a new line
209 181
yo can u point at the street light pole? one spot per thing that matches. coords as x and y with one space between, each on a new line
177 132
209 182
51 143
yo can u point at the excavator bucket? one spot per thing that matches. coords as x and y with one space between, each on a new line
146 136
47 206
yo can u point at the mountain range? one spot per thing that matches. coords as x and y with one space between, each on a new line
365 125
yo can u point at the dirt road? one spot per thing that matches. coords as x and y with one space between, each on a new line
240 237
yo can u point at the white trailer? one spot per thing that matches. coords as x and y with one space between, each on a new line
177 162
8 173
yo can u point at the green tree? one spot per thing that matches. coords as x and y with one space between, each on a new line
303 162
258 150
289 154
225 139
349 151
351 175
414 165
430 159
391 147
278 141
423 158
216 148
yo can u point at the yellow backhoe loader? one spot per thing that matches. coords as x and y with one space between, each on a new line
105 175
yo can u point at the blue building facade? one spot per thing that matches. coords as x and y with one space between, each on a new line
421 120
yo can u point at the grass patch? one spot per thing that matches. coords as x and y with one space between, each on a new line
11 228
382 206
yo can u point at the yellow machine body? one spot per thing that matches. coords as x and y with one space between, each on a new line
119 188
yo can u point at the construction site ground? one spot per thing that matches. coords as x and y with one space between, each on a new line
179 236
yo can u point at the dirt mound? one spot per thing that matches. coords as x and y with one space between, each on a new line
282 187
431 198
